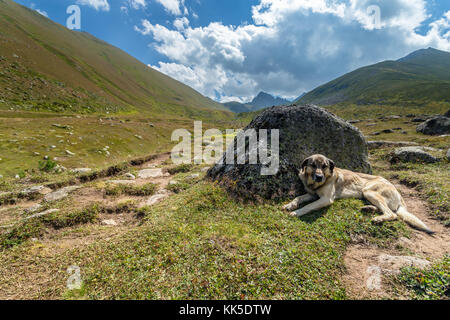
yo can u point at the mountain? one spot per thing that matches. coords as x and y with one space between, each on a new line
264 100
417 79
47 67
261 101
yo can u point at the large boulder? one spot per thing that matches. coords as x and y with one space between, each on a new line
435 126
303 131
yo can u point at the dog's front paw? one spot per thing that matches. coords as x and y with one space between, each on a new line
377 220
293 214
288 207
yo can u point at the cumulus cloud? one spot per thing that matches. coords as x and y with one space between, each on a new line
292 45
96 4
173 6
137 4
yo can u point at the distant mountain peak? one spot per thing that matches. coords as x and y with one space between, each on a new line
264 100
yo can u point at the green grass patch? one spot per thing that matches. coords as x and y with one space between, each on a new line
429 284
147 189
204 245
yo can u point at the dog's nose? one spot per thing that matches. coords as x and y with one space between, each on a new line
319 177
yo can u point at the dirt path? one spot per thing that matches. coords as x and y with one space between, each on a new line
363 279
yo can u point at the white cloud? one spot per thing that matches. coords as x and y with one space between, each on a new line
137 4
292 45
96 4
173 6
44 13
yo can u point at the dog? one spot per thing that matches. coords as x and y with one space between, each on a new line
325 184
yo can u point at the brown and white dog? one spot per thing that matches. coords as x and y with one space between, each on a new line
325 183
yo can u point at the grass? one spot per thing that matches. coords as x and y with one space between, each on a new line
430 284
204 245
36 227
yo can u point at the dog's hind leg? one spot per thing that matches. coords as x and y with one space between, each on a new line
377 200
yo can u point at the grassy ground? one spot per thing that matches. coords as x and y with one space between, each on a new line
200 242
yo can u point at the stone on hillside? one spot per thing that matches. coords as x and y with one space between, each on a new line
412 154
109 222
419 119
150 173
36 190
41 214
81 170
386 144
130 176
33 208
448 154
303 131
447 114
60 194
155 199
435 126
121 181
393 264
70 153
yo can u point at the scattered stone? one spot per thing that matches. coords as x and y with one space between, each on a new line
298 139
387 131
36 190
70 153
46 157
60 194
155 199
447 114
138 136
41 214
376 133
405 242
36 154
373 274
173 182
33 208
412 154
205 169
448 154
387 144
109 222
81 170
1 176
121 181
393 264
150 173
392 117
435 126
419 119
130 176
194 176
354 121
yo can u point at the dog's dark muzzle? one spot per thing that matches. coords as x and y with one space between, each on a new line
318 178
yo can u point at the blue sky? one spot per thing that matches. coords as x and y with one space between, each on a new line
232 49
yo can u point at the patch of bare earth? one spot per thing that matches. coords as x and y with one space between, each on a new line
32 271
364 279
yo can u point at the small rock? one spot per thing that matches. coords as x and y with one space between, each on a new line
109 223
393 264
448 154
150 173
385 144
373 281
155 199
121 181
70 153
60 194
41 214
173 182
387 131
139 137
81 170
205 169
33 208
36 190
36 154
412 154
130 176
194 176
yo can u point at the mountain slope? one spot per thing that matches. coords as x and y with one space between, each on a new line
261 101
419 78
264 100
56 69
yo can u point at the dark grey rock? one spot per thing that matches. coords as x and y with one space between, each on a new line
435 126
304 131
448 155
447 114
412 154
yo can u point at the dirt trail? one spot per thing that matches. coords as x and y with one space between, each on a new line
362 261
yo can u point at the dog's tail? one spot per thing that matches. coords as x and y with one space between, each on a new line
412 220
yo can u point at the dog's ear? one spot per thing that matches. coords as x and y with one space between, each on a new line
331 164
304 163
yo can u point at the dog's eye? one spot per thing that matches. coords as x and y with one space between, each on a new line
324 166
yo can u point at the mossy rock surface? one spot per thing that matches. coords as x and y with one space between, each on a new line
304 130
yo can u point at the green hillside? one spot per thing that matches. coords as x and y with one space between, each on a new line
46 67
420 78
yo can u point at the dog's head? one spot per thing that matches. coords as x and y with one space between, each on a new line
316 169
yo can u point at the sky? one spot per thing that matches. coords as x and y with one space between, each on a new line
229 50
